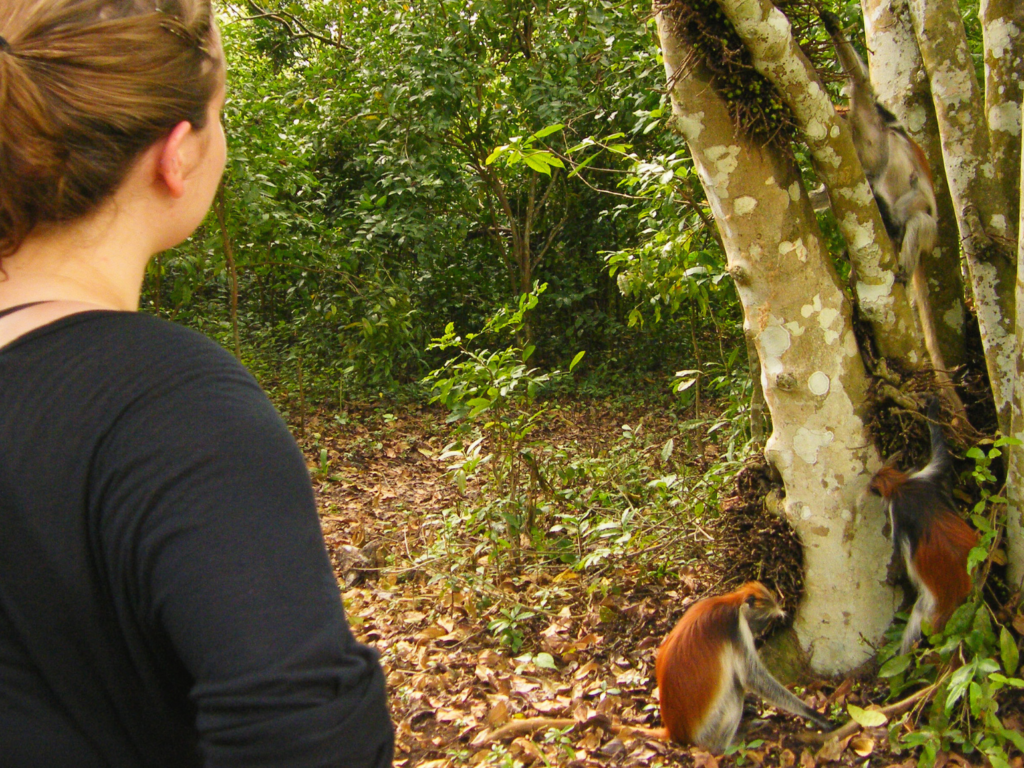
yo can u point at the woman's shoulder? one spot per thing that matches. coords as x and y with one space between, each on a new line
154 349
141 336
149 332
126 352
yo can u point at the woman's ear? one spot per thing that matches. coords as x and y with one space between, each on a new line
171 165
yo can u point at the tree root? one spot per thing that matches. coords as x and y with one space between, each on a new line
517 728
850 728
521 727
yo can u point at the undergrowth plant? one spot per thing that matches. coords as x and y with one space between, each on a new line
495 391
966 666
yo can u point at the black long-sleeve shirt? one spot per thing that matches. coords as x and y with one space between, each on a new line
165 595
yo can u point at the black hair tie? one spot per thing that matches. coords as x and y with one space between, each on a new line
5 47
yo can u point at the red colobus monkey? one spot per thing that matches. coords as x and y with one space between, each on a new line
928 534
901 180
895 166
707 663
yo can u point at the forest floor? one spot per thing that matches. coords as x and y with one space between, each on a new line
458 695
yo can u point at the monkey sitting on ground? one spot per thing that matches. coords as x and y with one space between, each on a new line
707 663
928 535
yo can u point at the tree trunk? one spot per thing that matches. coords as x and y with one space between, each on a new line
1015 453
882 301
979 203
1003 29
1003 33
757 403
812 373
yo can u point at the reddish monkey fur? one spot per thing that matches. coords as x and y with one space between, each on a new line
928 535
708 661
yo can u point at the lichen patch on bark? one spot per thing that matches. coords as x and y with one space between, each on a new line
808 442
818 383
1005 117
745 205
999 34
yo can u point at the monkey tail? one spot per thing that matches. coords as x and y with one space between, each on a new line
831 22
848 57
919 236
940 463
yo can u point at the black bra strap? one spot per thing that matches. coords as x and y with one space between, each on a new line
12 310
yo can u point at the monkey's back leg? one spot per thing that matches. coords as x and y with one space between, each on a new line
719 728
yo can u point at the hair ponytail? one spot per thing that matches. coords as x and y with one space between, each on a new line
85 87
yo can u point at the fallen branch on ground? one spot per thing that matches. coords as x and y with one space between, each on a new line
517 728
810 737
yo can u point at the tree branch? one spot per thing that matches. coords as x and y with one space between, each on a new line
286 20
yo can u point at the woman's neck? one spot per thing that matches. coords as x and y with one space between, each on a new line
98 261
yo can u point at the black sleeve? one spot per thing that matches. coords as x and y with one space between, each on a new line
210 530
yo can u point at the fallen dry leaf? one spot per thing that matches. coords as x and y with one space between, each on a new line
704 760
1018 623
523 746
431 633
551 706
498 714
833 749
523 686
614 749
491 658
862 745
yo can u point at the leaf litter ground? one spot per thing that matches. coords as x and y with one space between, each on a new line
382 491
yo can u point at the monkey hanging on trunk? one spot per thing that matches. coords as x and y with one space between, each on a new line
707 663
895 166
900 178
928 535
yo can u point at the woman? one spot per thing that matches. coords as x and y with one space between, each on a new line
165 595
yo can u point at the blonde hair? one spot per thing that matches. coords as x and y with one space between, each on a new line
85 87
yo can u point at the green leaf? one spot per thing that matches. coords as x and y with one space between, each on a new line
959 683
580 166
1015 736
547 131
544 661
666 451
1016 682
587 142
552 160
496 154
575 360
974 696
983 624
960 622
1008 651
895 666
869 718
537 164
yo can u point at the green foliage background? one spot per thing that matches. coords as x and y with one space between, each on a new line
364 215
